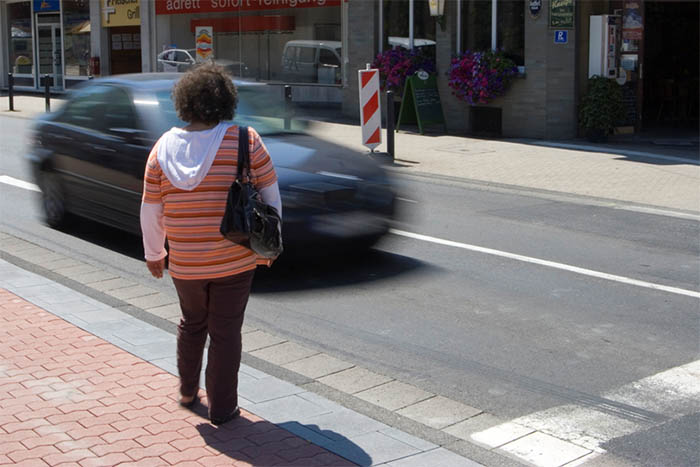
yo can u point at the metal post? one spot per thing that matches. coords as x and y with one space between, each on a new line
390 124
10 90
287 107
47 92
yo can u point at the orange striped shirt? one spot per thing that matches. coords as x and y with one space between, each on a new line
192 218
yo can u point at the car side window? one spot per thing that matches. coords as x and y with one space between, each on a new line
86 109
328 58
120 112
182 57
307 54
290 57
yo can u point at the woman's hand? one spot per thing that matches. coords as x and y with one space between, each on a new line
156 267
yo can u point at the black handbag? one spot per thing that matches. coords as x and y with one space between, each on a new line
247 220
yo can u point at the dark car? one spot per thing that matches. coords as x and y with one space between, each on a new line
89 157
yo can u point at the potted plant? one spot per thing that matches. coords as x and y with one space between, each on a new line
397 64
602 108
478 77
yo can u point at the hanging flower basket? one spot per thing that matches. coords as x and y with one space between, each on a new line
479 77
397 64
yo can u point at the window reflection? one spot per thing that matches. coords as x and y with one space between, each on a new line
20 22
76 26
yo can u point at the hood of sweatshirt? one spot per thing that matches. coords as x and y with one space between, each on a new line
186 156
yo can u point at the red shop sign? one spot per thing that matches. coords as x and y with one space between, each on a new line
174 7
250 24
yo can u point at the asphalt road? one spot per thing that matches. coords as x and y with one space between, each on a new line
503 334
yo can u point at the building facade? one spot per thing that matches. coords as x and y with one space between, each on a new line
320 44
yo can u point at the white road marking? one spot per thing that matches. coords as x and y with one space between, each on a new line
6 179
672 393
551 264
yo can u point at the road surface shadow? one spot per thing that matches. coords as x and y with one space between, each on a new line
294 270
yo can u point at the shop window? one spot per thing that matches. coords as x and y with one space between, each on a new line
510 27
20 30
396 23
76 37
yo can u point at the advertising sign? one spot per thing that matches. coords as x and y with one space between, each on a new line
632 21
561 14
534 7
41 6
421 102
174 7
120 13
204 42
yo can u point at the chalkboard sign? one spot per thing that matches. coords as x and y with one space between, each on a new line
421 102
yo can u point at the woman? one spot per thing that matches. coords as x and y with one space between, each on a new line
186 182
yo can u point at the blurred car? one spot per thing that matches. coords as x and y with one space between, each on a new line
89 158
179 60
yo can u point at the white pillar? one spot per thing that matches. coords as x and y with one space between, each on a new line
458 44
410 24
494 24
4 57
148 52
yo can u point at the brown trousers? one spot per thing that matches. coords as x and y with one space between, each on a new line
216 307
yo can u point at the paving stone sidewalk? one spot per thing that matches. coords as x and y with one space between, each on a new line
86 384
71 397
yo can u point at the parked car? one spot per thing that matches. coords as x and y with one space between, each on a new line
179 60
89 158
307 61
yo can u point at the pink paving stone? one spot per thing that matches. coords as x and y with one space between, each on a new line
109 419
166 437
110 448
97 430
147 412
134 423
160 449
83 443
48 440
131 433
174 425
186 455
36 453
70 456
26 425
145 462
152 402
105 461
60 428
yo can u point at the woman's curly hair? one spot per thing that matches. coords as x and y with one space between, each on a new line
205 94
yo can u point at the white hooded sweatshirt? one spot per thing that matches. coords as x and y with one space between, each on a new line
185 157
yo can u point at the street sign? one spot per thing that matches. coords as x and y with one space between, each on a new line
561 37
371 115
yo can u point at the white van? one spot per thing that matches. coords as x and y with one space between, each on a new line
307 61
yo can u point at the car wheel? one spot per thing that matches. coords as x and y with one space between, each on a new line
53 199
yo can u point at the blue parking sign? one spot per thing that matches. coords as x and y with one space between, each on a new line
561 37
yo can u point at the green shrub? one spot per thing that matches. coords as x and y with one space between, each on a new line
602 107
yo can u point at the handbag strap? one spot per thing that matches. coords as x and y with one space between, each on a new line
243 153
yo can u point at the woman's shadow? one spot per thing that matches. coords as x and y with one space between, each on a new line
259 442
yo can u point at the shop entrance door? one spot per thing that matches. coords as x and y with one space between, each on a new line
49 54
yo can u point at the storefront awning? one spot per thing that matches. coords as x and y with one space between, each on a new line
80 28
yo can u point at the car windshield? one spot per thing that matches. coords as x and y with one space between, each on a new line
261 107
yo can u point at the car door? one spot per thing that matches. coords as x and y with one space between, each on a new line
74 137
125 147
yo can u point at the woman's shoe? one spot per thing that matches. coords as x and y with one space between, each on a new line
220 421
189 403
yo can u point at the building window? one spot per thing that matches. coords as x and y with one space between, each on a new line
76 27
509 36
395 29
20 30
